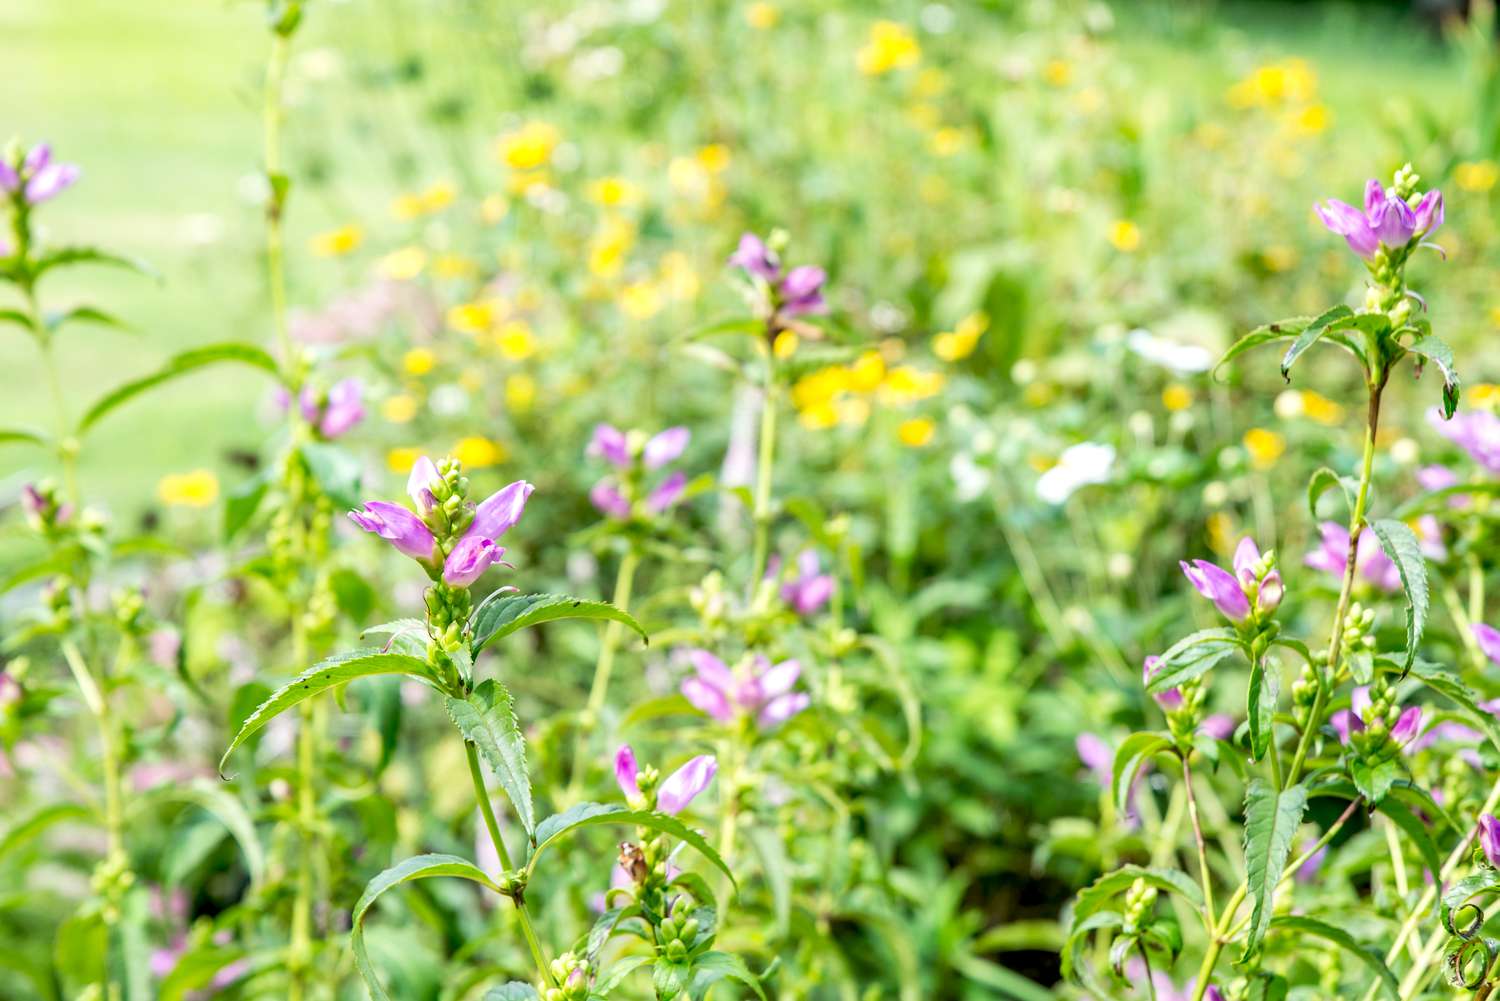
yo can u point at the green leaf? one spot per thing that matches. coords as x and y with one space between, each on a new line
1134 752
1441 355
68 256
1260 705
513 991
1271 819
1374 779
1405 797
593 814
1369 955
241 503
417 867
28 827
1400 544
1448 685
178 365
230 812
1323 480
1191 657
711 967
22 436
320 677
1281 330
669 978
487 719
408 636
503 616
618 972
1093 898
1267 987
335 470
1310 336
85 314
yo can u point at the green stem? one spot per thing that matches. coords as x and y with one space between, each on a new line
482 794
271 118
300 953
603 667
67 447
1209 918
763 473
98 706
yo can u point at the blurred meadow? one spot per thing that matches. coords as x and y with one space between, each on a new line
1041 221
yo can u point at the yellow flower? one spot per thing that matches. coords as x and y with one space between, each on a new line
200 488
613 192
454 266
1058 73
960 342
819 416
762 15
1125 235
891 46
1220 532
916 432
473 317
400 460
1312 119
1176 397
418 361
493 209
713 158
904 385
608 247
948 140
1319 408
477 453
404 264
785 345
338 242
1478 176
516 341
415 204
1291 81
640 300
678 276
520 392
400 408
1264 446
821 387
529 147
1484 394
1279 257
866 373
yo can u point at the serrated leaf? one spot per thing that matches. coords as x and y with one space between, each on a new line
1441 355
1401 546
320 677
1260 704
1093 898
1281 330
1191 657
711 967
618 972
1134 752
179 365
669 978
503 616
487 719
1325 479
1271 820
1366 954
592 814
408 636
1310 336
417 867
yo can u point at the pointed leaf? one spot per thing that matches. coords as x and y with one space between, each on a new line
1310 335
178 365
1134 752
1401 545
1369 955
319 678
1441 355
66 256
1271 820
711 967
22 436
487 719
1261 707
1281 330
1096 896
513 991
593 814
1191 657
1323 480
503 616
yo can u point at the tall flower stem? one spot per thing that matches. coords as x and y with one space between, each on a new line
300 953
67 446
1356 526
98 706
271 119
1209 917
523 916
764 467
604 666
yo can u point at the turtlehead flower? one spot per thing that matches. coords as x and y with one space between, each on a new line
468 555
811 588
757 689
39 177
1488 638
1357 719
1489 838
633 455
333 413
676 791
1387 220
1477 432
1255 584
1171 698
1370 561
798 292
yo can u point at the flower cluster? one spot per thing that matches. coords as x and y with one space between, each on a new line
1252 591
755 689
780 296
645 789
36 177
623 494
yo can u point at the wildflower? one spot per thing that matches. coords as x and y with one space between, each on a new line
338 242
1079 466
1488 638
1363 715
1255 584
401 460
419 361
39 177
1370 561
1387 220
516 341
529 147
964 338
442 508
762 16
1489 837
478 452
757 689
1176 397
614 192
811 588
1264 446
891 46
332 413
633 454
199 488
1478 176
675 792
916 432
1476 432
1171 698
1125 235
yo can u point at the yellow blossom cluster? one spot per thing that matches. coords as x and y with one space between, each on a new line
842 394
430 200
1288 87
890 46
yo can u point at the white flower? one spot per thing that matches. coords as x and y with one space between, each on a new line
1184 359
1078 466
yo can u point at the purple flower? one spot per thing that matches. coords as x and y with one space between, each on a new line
1246 559
1370 560
802 291
626 772
759 689
1387 220
1488 638
667 493
1171 698
398 526
799 292
607 499
335 414
1308 871
612 495
1489 837
1096 756
473 555
610 444
40 177
1476 432
1348 722
1219 726
756 258
665 446
811 589
1436 477
1226 590
682 786
498 512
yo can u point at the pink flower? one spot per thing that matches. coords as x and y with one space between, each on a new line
614 496
676 790
811 589
1489 837
759 689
